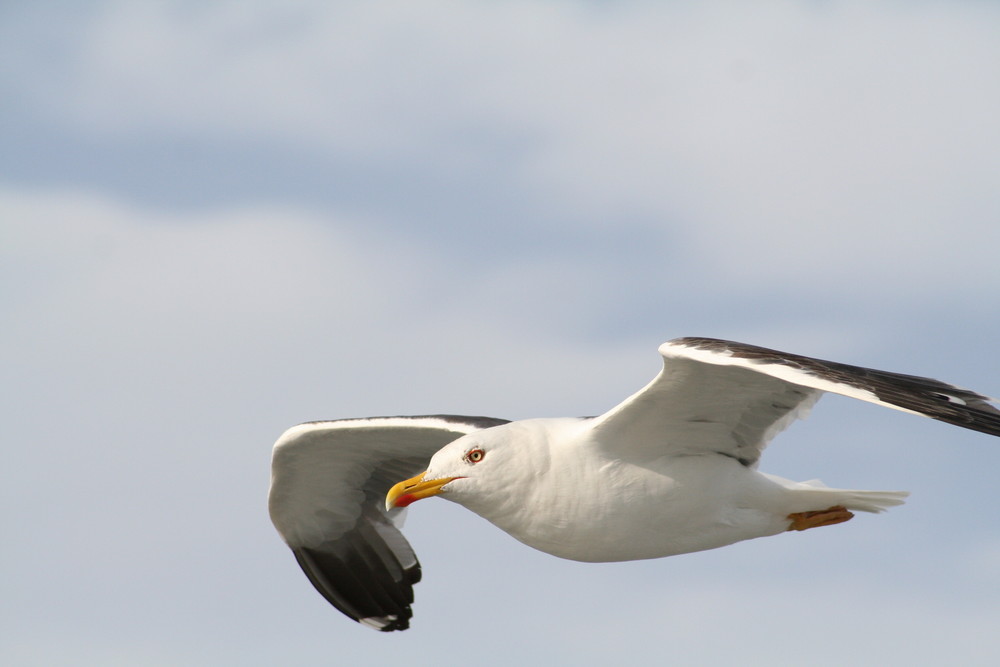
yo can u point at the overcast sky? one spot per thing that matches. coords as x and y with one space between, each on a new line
219 220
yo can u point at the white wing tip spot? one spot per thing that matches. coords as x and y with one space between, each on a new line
378 622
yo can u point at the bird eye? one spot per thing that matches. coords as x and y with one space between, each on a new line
474 455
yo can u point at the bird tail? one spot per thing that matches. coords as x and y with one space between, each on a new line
814 495
852 499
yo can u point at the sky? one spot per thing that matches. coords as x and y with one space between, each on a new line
219 220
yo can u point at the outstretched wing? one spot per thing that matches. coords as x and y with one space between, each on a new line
327 500
732 398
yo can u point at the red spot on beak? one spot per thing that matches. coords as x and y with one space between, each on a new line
405 500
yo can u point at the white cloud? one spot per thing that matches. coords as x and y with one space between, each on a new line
127 290
853 144
159 353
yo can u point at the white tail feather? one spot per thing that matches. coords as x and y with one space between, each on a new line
819 496
873 501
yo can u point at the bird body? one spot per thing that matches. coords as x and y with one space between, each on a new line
576 501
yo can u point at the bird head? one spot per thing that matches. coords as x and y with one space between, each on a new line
485 471
458 468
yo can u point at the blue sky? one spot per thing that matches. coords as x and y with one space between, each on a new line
219 221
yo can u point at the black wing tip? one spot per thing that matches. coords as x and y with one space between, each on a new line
938 400
373 598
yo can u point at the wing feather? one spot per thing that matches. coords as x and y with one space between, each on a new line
328 485
717 396
910 393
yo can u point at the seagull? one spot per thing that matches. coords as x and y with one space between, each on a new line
670 470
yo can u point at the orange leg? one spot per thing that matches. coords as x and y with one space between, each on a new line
819 518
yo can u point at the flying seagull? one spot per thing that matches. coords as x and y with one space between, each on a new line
671 470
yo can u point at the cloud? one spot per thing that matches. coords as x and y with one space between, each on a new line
159 354
852 145
138 288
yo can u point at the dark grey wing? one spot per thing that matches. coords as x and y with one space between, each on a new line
909 393
716 396
327 500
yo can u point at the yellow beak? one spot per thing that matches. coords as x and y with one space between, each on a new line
414 489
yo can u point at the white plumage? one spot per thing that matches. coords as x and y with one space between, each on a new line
672 469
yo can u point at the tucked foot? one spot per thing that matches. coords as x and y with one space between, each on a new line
819 518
